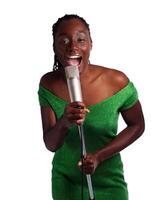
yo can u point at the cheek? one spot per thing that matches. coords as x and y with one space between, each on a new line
58 48
86 51
59 52
87 47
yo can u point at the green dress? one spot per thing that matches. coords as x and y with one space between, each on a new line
100 128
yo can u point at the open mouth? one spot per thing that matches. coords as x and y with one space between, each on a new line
73 60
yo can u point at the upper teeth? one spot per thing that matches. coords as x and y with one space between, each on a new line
74 56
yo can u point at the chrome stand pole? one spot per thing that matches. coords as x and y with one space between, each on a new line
88 176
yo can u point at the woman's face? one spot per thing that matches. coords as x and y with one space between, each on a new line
72 44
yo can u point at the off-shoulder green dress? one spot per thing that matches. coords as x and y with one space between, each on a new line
100 128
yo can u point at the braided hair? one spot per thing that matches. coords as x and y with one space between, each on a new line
55 27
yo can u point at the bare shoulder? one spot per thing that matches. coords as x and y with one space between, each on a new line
118 78
45 78
48 80
112 77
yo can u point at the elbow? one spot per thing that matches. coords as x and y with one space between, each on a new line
51 146
140 128
142 125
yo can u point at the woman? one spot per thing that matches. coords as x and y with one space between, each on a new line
106 93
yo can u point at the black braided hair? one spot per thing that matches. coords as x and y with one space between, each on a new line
55 27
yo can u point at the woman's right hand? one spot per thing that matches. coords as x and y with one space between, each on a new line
75 113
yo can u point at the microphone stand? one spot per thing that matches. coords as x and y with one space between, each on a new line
74 87
83 152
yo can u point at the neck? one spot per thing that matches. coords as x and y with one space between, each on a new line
84 71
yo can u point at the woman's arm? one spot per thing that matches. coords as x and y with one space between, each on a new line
134 119
54 131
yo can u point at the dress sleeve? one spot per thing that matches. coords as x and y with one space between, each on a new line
48 99
131 97
42 98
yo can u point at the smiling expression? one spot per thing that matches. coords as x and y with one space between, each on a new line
72 43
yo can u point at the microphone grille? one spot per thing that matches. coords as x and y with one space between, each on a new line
72 71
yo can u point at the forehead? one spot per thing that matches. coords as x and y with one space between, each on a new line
70 26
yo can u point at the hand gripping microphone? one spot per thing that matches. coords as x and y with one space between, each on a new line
74 88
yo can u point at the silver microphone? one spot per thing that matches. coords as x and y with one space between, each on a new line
74 88
73 82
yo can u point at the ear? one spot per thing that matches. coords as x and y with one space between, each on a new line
91 43
91 46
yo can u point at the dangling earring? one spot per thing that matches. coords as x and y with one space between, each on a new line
55 65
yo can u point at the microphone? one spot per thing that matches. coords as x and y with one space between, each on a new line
73 82
74 88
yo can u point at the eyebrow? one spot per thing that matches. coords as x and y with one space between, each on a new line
62 34
80 31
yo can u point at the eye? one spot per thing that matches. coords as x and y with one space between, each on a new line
81 40
66 41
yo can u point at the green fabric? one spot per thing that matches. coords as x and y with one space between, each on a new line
100 128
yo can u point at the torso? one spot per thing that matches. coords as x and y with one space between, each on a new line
97 84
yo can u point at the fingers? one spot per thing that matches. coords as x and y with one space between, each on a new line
79 163
75 112
87 165
86 168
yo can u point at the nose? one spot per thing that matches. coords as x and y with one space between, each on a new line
72 47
